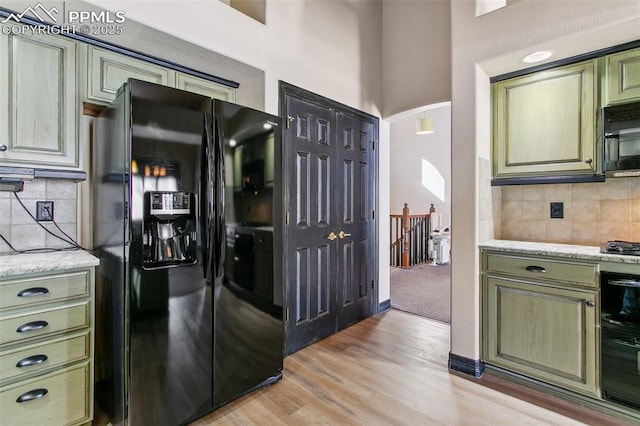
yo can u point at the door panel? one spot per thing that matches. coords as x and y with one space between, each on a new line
311 256
355 299
328 250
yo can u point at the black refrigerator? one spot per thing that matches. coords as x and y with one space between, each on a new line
187 224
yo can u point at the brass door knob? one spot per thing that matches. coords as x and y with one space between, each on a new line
332 236
343 234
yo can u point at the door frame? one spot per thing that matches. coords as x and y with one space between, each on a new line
284 90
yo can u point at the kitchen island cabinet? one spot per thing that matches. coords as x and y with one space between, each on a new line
544 123
39 107
46 338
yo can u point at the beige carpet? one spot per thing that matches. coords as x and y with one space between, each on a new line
423 290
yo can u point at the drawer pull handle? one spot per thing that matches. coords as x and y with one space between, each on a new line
32 326
536 269
33 291
32 394
32 360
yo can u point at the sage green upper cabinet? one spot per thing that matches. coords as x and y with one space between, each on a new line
622 77
107 71
544 123
38 101
205 87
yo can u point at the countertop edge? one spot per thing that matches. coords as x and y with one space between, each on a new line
34 263
558 250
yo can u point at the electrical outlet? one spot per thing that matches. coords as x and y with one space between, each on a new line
44 211
557 210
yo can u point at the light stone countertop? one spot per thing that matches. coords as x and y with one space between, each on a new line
559 250
29 263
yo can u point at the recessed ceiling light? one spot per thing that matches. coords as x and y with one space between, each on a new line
232 142
537 56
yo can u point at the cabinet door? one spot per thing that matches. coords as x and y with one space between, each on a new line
205 87
107 71
544 332
38 101
622 79
544 123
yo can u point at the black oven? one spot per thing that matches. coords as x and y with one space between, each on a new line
620 338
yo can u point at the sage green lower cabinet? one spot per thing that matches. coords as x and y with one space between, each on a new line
541 331
540 318
46 348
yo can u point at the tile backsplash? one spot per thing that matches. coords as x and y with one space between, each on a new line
20 229
593 212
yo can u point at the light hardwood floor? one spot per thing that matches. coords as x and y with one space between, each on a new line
389 369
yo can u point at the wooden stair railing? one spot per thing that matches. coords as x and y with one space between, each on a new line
410 237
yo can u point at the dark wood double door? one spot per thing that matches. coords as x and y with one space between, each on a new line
330 250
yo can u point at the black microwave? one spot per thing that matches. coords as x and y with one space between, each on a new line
621 128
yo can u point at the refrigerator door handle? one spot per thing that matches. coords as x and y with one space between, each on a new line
220 240
207 197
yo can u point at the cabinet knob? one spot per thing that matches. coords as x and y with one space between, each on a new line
590 303
3 148
588 160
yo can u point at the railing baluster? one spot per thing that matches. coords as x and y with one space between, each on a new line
410 236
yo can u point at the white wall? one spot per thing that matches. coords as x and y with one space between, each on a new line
491 45
416 47
409 151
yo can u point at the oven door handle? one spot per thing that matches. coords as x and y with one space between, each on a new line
625 283
625 343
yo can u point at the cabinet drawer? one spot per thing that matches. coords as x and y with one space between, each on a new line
544 269
44 322
66 400
43 356
36 290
